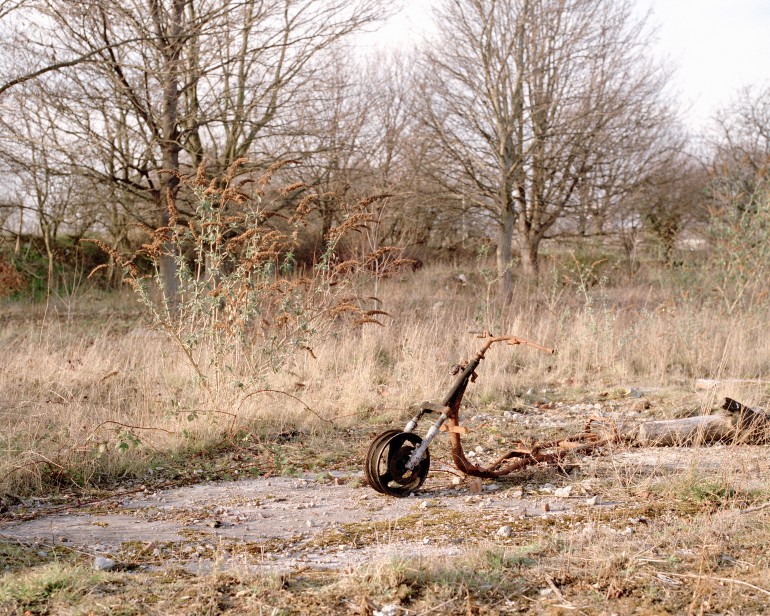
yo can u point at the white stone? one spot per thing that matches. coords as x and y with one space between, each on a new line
593 500
563 492
504 531
391 609
101 563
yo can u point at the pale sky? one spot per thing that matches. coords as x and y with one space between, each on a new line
715 46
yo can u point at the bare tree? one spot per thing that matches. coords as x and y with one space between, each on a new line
8 6
528 101
46 193
740 149
352 136
739 189
162 84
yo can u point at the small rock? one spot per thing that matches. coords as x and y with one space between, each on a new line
475 485
101 563
479 449
456 481
563 492
309 523
214 523
517 493
491 487
426 541
424 504
391 609
627 531
594 500
504 531
546 507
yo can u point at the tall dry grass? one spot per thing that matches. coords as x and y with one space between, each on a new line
94 393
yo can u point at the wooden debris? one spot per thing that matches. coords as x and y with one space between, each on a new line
740 424
751 425
709 384
687 431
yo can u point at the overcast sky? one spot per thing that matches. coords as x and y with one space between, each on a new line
716 46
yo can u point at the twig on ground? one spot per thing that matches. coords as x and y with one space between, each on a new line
130 427
716 579
756 508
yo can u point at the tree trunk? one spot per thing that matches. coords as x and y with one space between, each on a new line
529 252
505 257
47 240
169 143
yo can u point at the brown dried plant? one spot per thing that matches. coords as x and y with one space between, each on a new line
243 307
11 280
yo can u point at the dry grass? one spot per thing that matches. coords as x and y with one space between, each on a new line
92 393
676 561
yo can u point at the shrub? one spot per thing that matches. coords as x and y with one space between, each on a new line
739 260
241 307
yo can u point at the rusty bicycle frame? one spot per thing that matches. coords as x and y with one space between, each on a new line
397 462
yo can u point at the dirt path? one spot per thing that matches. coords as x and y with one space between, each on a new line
277 523
313 521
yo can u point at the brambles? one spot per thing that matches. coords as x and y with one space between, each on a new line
11 281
